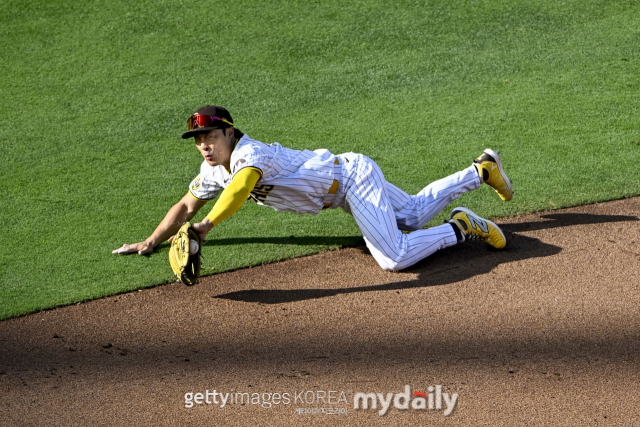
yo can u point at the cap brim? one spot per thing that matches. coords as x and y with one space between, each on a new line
194 132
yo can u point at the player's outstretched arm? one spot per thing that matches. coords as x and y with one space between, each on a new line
181 212
230 200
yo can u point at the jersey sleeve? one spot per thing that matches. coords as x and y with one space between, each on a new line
254 156
233 197
205 186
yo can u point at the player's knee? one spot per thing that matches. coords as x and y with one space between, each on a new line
412 222
408 227
389 264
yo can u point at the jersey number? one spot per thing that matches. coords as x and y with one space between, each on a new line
260 193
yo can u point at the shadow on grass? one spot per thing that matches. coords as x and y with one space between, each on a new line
450 265
290 240
344 241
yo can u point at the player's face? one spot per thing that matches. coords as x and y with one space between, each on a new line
216 146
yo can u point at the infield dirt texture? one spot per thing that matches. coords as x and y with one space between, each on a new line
545 332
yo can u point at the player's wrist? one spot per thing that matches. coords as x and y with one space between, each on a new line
207 225
151 243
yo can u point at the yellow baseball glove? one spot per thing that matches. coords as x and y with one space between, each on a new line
185 254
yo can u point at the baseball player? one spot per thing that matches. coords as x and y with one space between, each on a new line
237 167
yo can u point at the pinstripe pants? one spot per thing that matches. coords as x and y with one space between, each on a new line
382 210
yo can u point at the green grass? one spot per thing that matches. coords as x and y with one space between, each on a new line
96 94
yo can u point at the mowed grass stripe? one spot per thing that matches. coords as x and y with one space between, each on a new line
96 96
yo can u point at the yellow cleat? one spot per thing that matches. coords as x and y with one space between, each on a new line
490 170
472 227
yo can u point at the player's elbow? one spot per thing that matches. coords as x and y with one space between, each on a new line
190 212
189 206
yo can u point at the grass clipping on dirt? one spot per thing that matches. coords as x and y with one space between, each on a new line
97 94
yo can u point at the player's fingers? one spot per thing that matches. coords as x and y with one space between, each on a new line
125 249
170 238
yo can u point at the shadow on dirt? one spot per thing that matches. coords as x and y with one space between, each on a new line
564 220
115 346
450 265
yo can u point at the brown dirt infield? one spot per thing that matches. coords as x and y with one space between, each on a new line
546 332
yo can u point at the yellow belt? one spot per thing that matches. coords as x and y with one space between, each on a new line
334 187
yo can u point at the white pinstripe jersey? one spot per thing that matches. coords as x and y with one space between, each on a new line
292 180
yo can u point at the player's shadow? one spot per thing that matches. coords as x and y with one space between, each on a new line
556 220
450 265
289 240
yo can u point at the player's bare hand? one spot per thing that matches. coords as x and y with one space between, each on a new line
140 248
203 228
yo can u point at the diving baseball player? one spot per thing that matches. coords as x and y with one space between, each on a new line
237 168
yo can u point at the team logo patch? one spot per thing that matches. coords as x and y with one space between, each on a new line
197 183
239 163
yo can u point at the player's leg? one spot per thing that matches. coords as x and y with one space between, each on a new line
414 211
369 203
